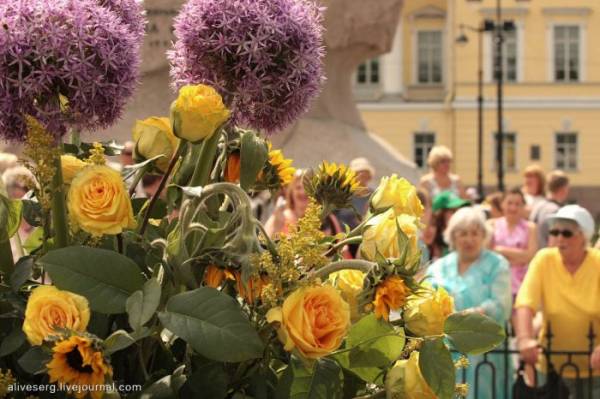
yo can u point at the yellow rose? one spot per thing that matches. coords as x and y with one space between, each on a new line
381 234
406 381
397 193
197 113
390 294
313 320
98 202
426 314
350 283
153 137
49 308
70 166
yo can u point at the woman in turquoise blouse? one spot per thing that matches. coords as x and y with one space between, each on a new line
479 281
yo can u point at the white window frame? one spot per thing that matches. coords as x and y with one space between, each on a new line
414 146
415 56
488 52
493 151
577 150
582 52
368 64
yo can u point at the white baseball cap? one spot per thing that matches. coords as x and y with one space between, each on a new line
579 215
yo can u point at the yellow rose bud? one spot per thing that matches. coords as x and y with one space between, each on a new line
313 320
153 137
426 314
197 113
49 308
70 166
390 294
405 380
350 283
98 201
381 234
397 193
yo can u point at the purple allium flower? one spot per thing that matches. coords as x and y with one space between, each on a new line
70 48
263 56
131 13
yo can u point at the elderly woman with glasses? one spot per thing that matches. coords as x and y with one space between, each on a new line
479 281
563 283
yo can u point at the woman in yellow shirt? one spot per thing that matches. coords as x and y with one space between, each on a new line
564 284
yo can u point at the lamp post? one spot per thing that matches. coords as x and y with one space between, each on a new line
485 26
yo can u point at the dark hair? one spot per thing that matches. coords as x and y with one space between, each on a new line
557 179
515 191
495 199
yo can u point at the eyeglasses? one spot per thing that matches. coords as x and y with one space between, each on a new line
564 233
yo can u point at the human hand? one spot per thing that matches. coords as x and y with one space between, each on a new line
528 350
595 360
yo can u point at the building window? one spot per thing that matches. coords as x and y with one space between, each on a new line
566 151
423 143
566 53
509 145
510 51
535 152
429 57
368 73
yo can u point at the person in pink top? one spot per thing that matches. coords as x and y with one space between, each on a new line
514 237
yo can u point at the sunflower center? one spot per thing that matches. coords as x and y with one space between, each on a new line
75 361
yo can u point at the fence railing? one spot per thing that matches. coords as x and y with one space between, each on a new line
509 361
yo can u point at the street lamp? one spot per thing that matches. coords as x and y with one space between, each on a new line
485 26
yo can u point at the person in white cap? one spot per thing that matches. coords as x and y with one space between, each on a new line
563 283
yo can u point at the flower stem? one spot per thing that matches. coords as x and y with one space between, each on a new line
340 244
161 186
205 160
353 264
59 206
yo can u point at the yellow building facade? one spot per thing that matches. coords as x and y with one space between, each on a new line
424 91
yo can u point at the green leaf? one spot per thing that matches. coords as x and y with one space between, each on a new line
159 209
142 304
373 345
213 324
209 380
34 240
253 155
12 342
117 341
323 381
34 360
167 387
435 363
104 277
10 217
473 333
23 271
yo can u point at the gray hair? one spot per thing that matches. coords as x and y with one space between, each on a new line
466 217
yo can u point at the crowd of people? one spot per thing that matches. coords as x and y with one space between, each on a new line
523 257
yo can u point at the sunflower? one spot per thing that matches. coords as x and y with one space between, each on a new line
78 362
277 172
283 166
332 185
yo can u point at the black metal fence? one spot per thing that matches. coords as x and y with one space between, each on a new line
509 360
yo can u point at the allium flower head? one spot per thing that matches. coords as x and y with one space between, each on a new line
68 63
263 56
131 13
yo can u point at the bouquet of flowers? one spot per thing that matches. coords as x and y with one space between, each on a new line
184 294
